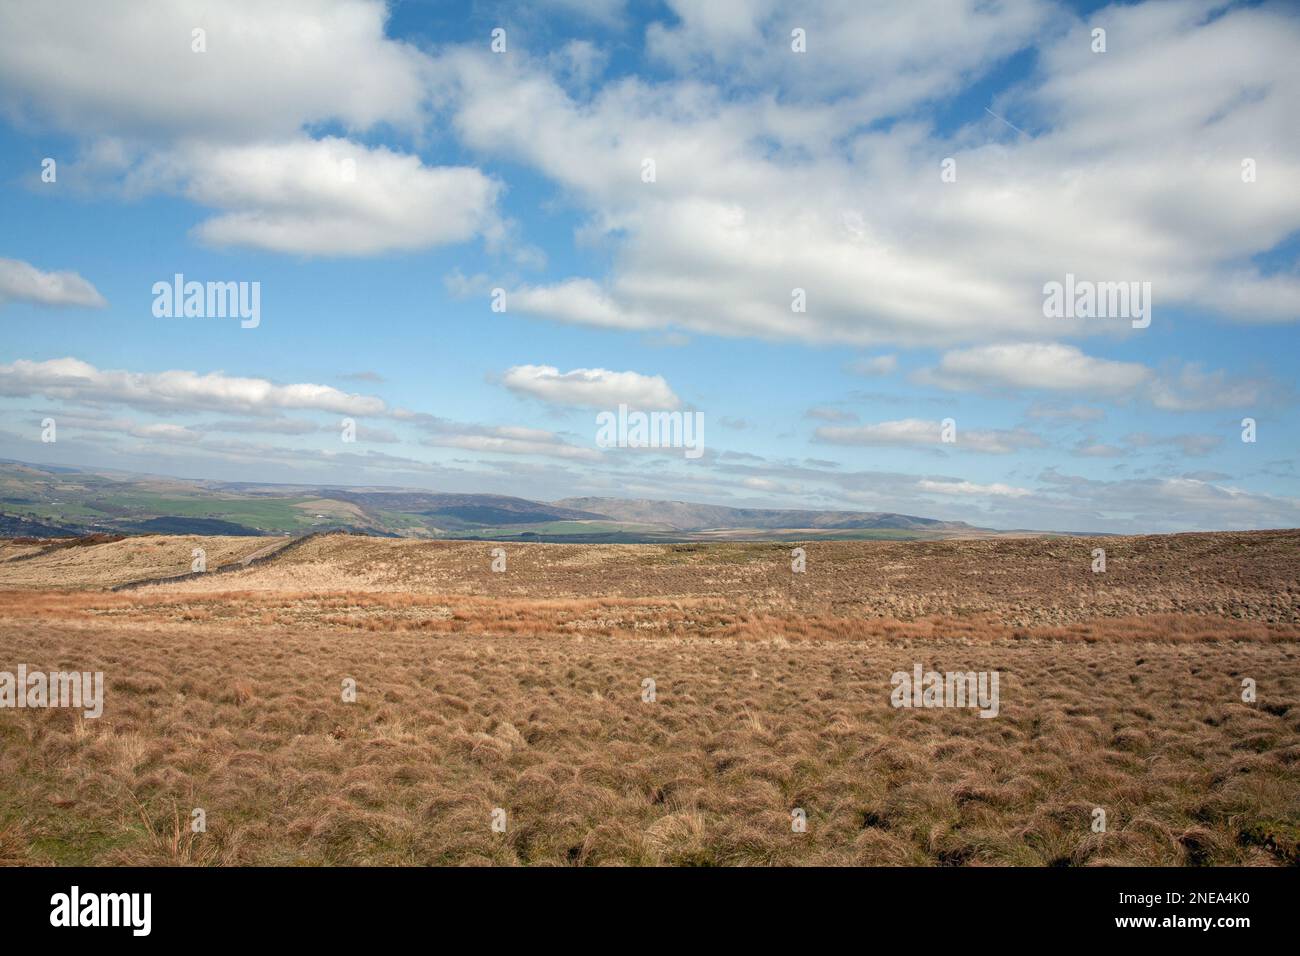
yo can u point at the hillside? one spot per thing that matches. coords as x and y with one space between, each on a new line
39 501
685 516
1235 577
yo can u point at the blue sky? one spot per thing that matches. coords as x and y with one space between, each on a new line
774 170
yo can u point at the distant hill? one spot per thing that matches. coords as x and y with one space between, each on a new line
685 516
39 501
466 509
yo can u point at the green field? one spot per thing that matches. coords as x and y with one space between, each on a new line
271 514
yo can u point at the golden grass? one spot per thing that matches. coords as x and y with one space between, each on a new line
105 565
668 616
1029 582
251 727
523 691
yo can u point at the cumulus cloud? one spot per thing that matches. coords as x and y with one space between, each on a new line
71 379
325 197
269 69
1046 366
155 115
775 173
23 282
591 387
969 488
756 196
884 57
579 301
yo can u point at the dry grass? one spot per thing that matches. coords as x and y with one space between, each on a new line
1029 582
524 691
58 565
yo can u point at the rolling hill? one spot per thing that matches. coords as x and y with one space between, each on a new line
685 516
42 502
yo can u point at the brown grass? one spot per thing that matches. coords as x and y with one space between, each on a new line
524 691
101 561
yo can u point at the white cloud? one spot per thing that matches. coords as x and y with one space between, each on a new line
770 486
1158 504
970 488
906 432
756 195
226 127
1193 389
1052 367
166 432
513 441
591 387
270 68
918 433
1046 366
579 301
885 56
296 197
23 282
74 380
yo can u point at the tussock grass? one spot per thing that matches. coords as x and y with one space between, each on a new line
249 725
523 692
